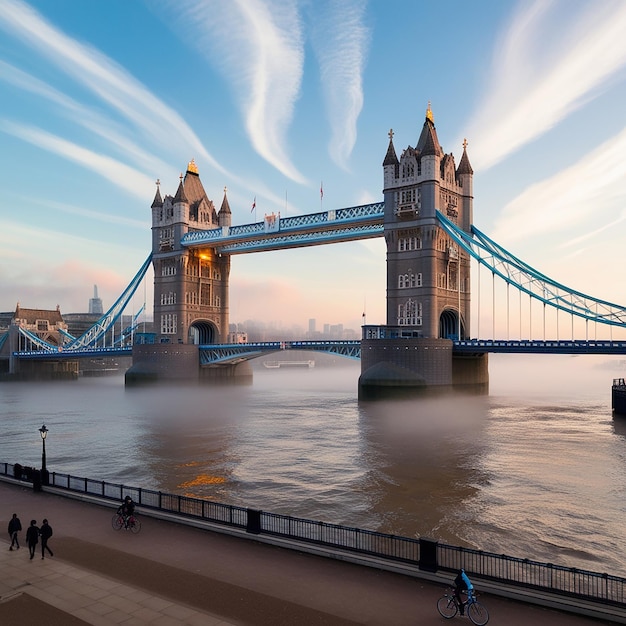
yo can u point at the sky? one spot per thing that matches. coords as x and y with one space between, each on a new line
275 100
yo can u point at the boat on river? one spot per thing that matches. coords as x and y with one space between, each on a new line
273 365
618 396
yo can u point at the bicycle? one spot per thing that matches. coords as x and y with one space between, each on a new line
448 607
118 521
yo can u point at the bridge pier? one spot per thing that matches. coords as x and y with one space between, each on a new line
180 363
42 370
407 366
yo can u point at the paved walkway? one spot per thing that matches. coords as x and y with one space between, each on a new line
171 574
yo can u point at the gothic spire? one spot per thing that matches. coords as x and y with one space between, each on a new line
225 208
390 157
428 143
158 201
180 193
464 164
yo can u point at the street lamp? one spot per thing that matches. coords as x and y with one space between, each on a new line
43 431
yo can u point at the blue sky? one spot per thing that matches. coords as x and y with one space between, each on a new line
99 99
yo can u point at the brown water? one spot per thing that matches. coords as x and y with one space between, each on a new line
537 469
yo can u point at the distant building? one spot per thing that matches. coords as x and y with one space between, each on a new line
237 337
41 322
95 303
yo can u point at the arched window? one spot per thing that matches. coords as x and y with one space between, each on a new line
410 313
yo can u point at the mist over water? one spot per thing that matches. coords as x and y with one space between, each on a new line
536 469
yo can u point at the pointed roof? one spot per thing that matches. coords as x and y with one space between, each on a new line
464 165
158 201
195 193
390 157
225 208
428 143
180 192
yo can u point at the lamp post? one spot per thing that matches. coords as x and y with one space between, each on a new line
43 431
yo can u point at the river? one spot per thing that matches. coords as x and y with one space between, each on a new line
536 469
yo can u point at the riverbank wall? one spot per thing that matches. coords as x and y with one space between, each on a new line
573 590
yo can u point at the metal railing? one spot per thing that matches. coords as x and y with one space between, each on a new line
424 554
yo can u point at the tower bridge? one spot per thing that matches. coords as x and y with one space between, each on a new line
426 218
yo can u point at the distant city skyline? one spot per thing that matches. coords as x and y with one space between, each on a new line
102 99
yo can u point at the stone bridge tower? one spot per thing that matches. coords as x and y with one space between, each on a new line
190 291
428 276
190 286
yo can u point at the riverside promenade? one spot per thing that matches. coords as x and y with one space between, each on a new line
173 574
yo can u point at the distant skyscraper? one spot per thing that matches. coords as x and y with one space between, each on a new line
95 303
312 326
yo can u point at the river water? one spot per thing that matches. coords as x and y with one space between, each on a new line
536 469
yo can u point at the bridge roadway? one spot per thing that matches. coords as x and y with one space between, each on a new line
172 574
232 353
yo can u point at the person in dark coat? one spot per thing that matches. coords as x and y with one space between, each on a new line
15 526
32 537
45 532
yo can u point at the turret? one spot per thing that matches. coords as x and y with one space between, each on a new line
224 217
465 178
390 164
181 205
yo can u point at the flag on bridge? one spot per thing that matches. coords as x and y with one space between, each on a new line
253 205
321 190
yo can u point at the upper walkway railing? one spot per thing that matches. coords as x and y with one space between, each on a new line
423 554
276 233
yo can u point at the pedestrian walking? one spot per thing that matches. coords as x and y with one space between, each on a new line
32 537
15 526
45 532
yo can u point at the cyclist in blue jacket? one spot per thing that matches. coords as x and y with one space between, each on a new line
462 583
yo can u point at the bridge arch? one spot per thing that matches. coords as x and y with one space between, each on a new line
449 325
203 332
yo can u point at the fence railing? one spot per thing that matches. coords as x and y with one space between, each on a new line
425 554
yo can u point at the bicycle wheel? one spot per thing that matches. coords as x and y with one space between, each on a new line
478 614
117 521
447 607
134 524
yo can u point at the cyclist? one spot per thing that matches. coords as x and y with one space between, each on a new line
462 583
126 510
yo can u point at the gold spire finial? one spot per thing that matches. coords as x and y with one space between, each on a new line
391 134
192 167
429 114
224 189
464 144
158 182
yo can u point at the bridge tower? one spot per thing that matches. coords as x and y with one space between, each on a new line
428 276
190 286
190 290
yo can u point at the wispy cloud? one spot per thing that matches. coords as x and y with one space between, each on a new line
545 67
341 42
104 128
94 216
258 47
585 193
125 177
110 82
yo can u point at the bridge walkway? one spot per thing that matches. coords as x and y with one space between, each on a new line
170 573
